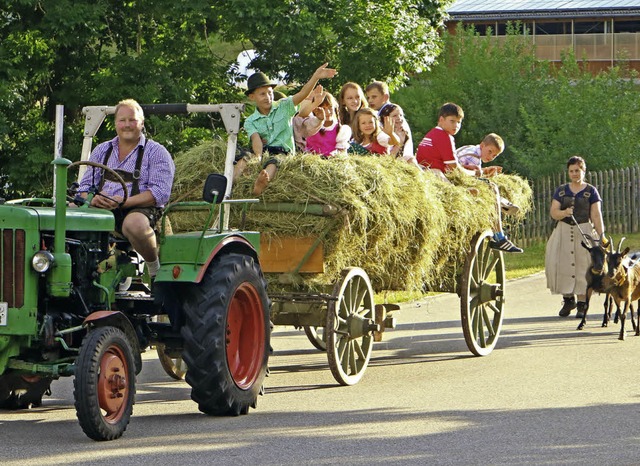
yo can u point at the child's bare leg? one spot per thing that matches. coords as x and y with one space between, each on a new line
238 169
265 176
500 241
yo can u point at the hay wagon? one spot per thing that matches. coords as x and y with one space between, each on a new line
331 235
343 320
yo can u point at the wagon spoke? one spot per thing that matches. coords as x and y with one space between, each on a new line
358 349
474 317
343 310
487 321
355 294
473 303
342 346
479 329
473 283
491 266
485 250
347 361
494 308
476 271
359 306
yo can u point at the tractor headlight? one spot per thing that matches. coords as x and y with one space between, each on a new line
42 261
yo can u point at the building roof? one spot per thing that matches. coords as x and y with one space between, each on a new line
469 10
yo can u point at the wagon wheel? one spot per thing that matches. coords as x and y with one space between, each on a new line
482 295
317 336
350 326
175 367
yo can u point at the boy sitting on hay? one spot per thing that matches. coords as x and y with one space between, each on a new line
269 127
437 152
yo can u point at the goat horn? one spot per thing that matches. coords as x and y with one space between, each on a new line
609 246
620 244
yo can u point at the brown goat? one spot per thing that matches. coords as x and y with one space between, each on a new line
623 284
595 277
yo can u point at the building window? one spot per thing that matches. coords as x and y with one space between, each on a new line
589 27
553 28
626 26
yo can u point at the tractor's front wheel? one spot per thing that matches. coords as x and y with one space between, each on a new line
227 336
104 384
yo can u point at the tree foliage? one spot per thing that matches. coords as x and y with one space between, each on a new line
96 52
79 52
363 39
545 113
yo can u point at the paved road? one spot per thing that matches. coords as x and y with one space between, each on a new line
547 395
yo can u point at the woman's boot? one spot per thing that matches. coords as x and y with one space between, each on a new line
568 305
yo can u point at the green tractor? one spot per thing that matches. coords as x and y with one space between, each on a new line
74 300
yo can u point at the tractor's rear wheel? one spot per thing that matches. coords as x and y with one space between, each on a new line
227 336
104 384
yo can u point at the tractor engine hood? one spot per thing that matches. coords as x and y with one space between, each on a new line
43 218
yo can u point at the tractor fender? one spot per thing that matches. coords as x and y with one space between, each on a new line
119 320
232 243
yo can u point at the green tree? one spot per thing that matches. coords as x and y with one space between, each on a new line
95 52
81 52
363 39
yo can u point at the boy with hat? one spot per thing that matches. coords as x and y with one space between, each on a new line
269 127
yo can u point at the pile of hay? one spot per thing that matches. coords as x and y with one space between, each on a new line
406 228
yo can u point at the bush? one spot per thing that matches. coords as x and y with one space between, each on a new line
545 114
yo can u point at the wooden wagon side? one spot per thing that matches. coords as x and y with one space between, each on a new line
343 318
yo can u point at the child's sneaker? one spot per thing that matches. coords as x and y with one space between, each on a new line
508 207
504 245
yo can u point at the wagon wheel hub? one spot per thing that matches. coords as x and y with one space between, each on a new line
357 326
488 292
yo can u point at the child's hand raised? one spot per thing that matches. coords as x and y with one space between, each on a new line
314 99
388 125
324 72
319 113
388 128
317 95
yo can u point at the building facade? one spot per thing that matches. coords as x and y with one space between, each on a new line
603 33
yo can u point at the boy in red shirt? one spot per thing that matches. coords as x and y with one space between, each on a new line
437 149
436 152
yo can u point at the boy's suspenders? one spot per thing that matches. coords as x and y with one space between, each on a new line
135 176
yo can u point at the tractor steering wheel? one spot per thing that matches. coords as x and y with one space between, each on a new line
115 174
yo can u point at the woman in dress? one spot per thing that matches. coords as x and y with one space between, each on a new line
566 261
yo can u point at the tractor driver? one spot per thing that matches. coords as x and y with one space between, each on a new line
147 169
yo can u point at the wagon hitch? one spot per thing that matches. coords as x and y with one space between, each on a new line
384 318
